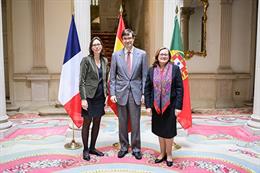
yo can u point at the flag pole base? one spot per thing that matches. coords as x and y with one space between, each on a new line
116 145
175 146
73 145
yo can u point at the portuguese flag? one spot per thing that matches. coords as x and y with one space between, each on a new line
177 53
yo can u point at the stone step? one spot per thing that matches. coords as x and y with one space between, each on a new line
53 110
61 111
8 102
12 108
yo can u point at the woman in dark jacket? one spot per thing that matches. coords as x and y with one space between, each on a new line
163 100
93 92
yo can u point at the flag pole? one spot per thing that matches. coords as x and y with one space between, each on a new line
117 144
71 102
73 145
175 146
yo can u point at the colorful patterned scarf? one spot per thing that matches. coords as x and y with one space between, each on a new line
162 80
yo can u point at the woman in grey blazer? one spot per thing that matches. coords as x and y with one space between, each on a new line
93 92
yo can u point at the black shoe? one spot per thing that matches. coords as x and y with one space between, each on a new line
160 160
121 154
138 155
86 155
96 152
169 163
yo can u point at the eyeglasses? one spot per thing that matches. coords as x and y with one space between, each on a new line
98 44
127 38
164 54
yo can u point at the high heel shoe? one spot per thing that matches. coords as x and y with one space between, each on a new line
86 155
160 160
96 152
169 163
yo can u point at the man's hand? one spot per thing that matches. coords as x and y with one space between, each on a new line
149 111
142 99
84 104
177 112
113 99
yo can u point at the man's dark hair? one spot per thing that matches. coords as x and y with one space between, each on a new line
127 32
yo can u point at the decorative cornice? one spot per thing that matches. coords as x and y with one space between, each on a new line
187 11
214 76
31 76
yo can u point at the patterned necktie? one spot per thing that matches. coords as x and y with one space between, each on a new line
128 62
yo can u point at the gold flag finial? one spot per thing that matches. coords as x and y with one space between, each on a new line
121 9
176 10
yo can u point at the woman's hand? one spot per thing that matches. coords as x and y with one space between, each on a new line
84 104
177 112
149 111
106 100
113 99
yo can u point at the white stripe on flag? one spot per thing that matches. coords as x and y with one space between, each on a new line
69 79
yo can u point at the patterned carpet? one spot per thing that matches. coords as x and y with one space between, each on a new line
215 144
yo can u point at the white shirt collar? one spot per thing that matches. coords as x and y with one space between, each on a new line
126 51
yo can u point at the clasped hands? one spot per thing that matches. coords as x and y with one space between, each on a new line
149 111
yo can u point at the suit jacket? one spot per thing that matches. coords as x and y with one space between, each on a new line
176 88
89 76
121 82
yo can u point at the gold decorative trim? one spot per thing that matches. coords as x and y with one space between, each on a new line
188 54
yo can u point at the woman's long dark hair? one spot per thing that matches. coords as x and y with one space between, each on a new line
156 61
91 44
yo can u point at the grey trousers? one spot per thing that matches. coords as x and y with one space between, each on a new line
130 111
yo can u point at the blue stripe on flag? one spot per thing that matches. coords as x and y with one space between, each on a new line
73 46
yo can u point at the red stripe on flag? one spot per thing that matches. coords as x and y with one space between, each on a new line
185 118
120 28
73 108
112 105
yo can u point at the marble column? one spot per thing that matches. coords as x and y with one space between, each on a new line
224 81
4 123
39 73
168 21
153 22
186 12
82 20
254 123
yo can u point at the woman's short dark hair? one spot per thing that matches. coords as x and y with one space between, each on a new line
156 61
127 32
91 44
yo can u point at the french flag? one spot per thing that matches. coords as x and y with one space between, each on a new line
69 95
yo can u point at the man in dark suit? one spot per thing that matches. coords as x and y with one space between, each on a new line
127 80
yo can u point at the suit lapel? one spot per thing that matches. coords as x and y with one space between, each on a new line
93 64
134 61
122 62
103 65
